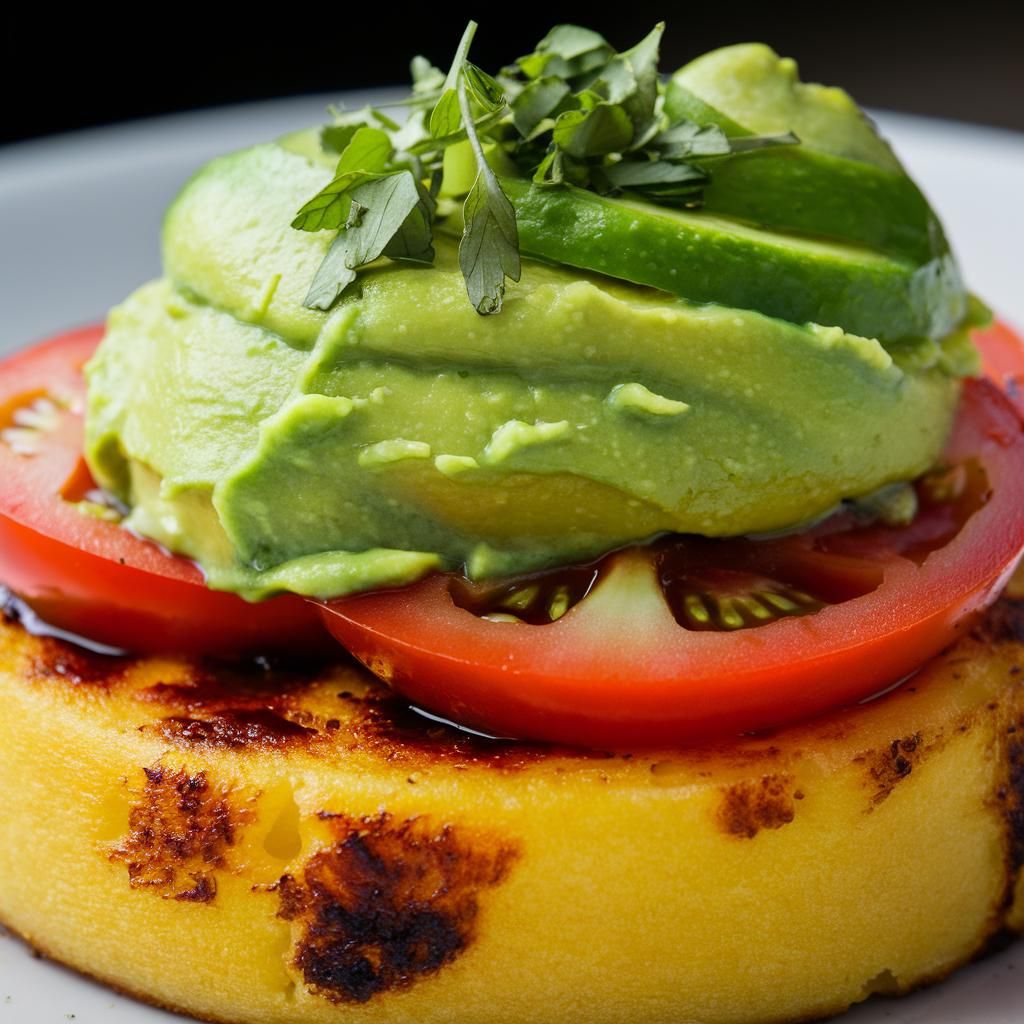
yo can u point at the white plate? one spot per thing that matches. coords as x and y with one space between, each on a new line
79 227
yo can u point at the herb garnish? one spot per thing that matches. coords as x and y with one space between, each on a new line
573 112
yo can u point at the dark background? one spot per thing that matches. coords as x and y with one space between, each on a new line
964 61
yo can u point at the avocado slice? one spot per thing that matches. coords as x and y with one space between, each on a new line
842 182
707 258
755 87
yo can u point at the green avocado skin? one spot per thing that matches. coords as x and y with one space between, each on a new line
705 258
289 449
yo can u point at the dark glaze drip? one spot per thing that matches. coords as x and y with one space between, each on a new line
16 610
63 655
388 726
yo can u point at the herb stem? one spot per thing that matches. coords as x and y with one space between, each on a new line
455 71
467 119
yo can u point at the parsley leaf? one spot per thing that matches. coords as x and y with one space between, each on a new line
414 240
366 153
536 102
489 250
605 128
572 112
445 118
379 209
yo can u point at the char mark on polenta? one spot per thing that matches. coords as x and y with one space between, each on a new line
389 902
181 829
749 807
627 655
258 727
891 764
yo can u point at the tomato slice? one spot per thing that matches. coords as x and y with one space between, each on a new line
624 667
89 576
1002 354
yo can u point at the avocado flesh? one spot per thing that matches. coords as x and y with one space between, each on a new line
797 279
755 87
841 182
707 258
285 448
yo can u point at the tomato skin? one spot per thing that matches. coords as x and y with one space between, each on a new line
137 610
562 683
596 679
89 576
1002 355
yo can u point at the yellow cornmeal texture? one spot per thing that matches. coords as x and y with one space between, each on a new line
313 856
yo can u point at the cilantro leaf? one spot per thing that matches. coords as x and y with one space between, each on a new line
329 207
335 137
432 144
484 89
687 139
551 170
745 143
414 240
459 60
426 79
368 150
445 118
569 52
572 41
641 102
333 276
489 250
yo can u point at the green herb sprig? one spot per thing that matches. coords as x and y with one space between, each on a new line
573 112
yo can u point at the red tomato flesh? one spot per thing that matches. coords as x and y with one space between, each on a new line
1002 354
674 642
624 668
89 576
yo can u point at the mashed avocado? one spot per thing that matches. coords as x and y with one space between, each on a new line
325 453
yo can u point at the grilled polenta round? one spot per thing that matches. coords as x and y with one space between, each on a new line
283 845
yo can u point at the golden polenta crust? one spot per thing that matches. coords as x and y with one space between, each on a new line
280 845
